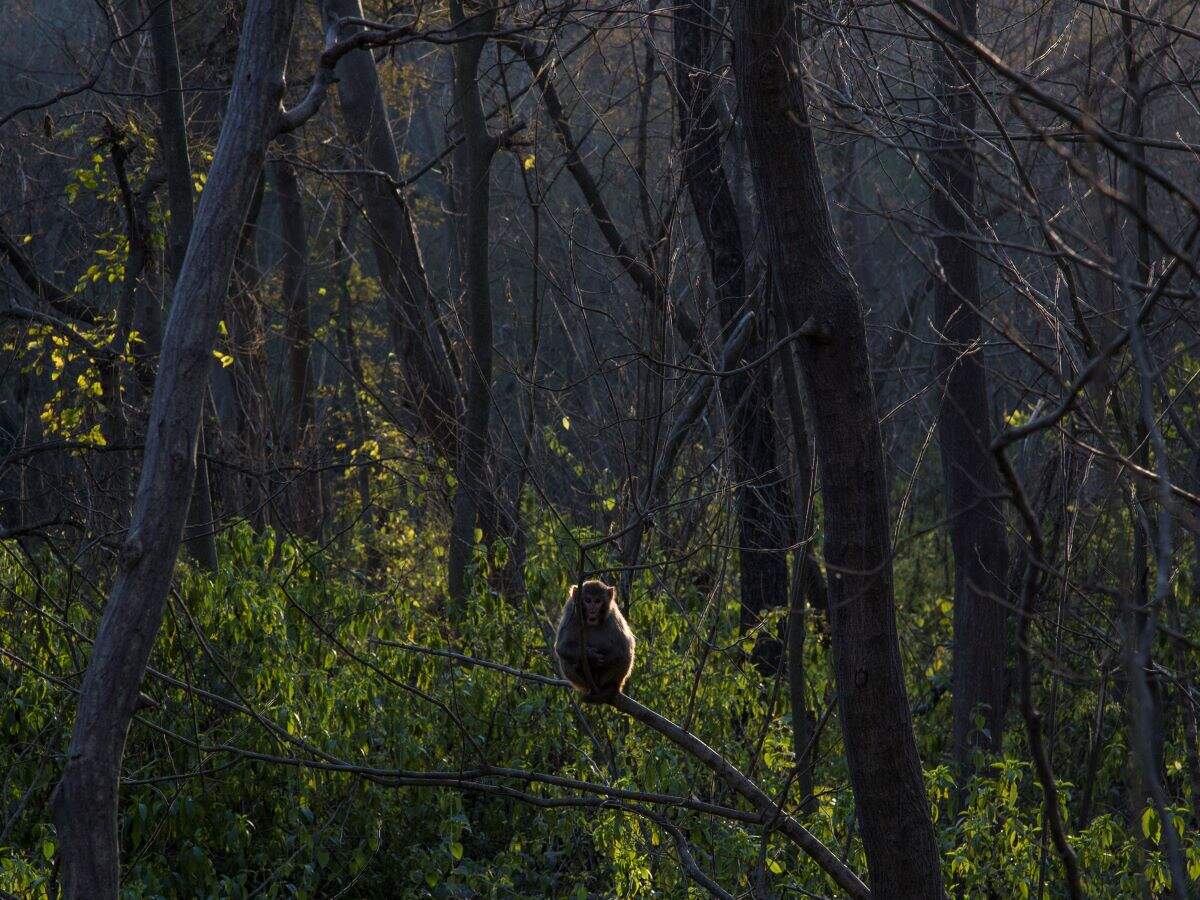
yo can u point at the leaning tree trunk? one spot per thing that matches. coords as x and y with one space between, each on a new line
817 289
479 146
85 801
172 132
423 354
762 502
964 424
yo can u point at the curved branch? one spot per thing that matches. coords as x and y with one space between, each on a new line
793 830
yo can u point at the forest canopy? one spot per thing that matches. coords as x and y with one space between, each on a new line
512 449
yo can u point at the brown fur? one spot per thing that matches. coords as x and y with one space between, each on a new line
591 620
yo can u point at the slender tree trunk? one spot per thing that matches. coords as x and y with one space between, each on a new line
247 339
85 801
479 146
305 507
1148 719
761 494
200 534
172 134
1187 700
808 584
976 519
114 474
428 368
816 288
853 231
348 340
297 328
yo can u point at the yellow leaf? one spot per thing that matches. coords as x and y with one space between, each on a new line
566 423
27 239
528 162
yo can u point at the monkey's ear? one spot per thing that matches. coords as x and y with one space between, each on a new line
574 590
612 593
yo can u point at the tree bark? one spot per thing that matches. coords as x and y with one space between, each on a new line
85 801
479 148
816 287
423 353
808 584
304 506
976 519
247 339
354 378
750 416
172 135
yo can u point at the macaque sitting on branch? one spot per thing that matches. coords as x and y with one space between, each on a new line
594 645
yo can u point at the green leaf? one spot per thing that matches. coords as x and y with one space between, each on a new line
456 850
1151 827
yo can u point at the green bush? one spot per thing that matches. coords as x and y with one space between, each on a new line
232 787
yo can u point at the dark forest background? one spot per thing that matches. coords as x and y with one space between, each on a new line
855 342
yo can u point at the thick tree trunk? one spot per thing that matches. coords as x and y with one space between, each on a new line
85 801
976 520
816 288
479 146
762 502
172 135
422 351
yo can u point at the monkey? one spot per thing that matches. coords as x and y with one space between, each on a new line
591 620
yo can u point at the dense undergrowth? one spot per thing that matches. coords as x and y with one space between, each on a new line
274 677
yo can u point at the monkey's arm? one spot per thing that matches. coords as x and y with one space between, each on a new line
598 657
568 650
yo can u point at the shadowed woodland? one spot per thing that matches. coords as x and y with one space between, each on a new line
852 344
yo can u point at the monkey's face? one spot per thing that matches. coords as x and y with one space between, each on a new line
596 598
